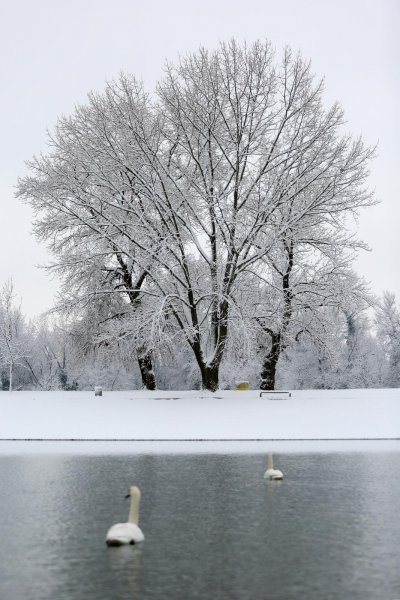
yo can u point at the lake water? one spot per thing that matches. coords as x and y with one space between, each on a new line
215 529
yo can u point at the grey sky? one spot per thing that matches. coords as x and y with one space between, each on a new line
54 51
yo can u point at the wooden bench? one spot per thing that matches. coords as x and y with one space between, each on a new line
288 394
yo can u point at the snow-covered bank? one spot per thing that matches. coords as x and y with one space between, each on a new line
182 416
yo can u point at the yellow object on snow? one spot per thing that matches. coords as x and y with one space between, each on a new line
242 385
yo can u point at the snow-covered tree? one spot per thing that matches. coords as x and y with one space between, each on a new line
308 269
388 331
13 349
52 359
107 297
345 357
186 190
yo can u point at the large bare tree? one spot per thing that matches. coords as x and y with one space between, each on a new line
186 189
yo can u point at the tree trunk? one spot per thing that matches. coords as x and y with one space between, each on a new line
268 371
11 376
278 344
210 377
146 370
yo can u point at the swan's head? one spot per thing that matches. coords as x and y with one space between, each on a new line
133 492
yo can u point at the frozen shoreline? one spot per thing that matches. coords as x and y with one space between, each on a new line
99 448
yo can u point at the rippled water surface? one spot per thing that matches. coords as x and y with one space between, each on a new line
215 529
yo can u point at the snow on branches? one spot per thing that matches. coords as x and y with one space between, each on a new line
181 201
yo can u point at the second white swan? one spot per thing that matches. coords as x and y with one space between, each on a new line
272 473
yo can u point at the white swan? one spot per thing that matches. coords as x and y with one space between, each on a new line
272 473
130 532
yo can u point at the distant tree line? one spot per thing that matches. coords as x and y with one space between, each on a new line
209 228
355 350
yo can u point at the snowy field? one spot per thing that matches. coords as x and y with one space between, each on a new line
199 421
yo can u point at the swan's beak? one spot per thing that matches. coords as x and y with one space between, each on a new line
128 495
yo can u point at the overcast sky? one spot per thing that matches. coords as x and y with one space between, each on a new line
54 51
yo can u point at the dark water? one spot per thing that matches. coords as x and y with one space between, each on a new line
215 529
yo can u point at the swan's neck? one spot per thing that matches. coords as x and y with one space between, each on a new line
270 464
134 509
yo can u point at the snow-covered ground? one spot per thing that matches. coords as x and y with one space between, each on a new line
181 421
